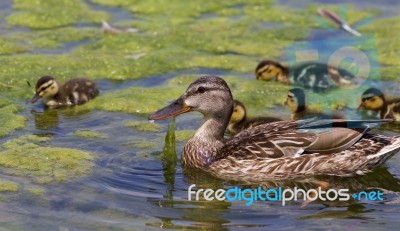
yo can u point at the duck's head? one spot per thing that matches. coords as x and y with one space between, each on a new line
296 99
209 95
372 99
46 87
269 70
239 112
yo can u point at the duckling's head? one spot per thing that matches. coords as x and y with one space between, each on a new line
239 112
296 100
209 95
46 88
269 70
372 99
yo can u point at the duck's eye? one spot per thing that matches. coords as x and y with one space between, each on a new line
235 110
373 100
201 89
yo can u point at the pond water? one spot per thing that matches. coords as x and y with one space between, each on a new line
137 183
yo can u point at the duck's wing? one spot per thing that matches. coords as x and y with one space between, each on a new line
267 141
295 138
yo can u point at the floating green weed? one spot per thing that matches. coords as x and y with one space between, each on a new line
9 120
144 126
8 186
49 14
90 134
24 157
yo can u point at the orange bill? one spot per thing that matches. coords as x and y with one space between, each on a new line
176 108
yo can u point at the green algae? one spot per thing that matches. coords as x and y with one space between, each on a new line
8 186
36 191
216 48
184 135
135 100
177 8
25 158
9 120
142 143
10 47
27 141
144 126
90 134
49 14
387 32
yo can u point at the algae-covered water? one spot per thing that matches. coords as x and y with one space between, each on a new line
103 166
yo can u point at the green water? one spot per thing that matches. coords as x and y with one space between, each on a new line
103 166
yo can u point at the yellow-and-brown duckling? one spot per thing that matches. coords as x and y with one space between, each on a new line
73 92
239 120
374 100
314 75
280 149
296 102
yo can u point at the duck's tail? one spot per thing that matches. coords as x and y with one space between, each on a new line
385 153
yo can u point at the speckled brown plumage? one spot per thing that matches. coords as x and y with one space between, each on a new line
73 92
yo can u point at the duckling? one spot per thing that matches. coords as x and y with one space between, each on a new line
317 76
277 150
73 92
296 102
373 99
239 121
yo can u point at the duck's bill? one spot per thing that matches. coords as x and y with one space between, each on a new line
35 98
176 108
360 107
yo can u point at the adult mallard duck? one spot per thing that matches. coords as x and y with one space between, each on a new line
239 120
280 149
373 99
73 92
296 102
318 76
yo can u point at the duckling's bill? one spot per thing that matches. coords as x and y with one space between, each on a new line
176 108
35 98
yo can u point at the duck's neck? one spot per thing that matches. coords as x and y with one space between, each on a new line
283 75
385 111
298 113
201 149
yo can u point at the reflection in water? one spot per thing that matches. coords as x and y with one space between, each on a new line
49 117
45 120
216 214
208 215
169 160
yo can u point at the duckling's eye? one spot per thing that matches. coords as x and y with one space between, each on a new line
201 89
372 100
235 110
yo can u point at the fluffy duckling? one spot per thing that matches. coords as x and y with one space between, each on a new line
239 120
317 76
296 102
373 99
73 92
